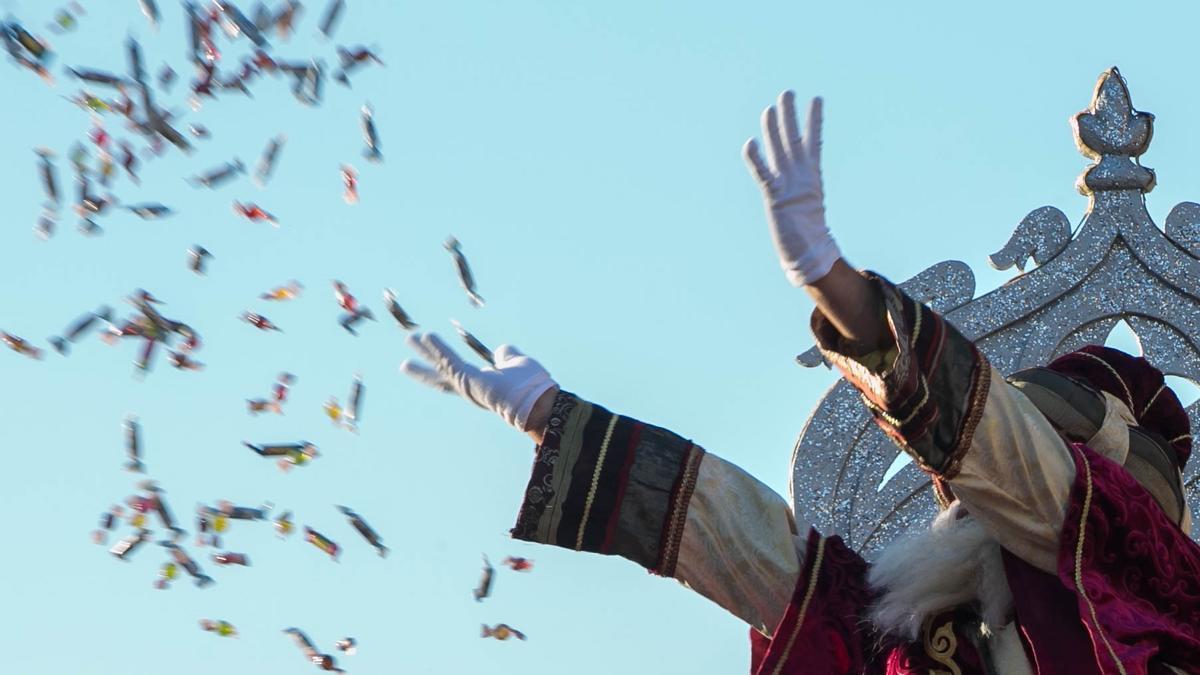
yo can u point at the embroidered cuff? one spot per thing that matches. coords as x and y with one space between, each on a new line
609 484
929 394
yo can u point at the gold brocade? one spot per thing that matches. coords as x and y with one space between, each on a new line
940 645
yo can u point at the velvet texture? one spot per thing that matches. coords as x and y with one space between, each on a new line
825 631
1138 572
1140 385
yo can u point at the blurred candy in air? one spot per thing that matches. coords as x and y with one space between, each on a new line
259 321
397 312
372 537
306 646
279 394
217 177
282 293
229 558
284 526
254 213
345 299
327 545
350 183
45 225
234 512
333 410
502 631
188 564
166 574
48 175
485 581
349 416
125 548
198 258
77 328
266 163
474 343
149 211
329 19
290 454
347 645
351 60
133 444
518 564
158 504
20 345
464 271
108 521
286 18
129 162
220 627
166 77
370 135
354 312
181 361
150 10
348 321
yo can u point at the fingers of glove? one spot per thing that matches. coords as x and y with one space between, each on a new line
791 128
446 360
776 156
755 161
465 386
425 375
812 131
416 343
505 353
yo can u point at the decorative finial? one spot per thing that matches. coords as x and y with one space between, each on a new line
1111 132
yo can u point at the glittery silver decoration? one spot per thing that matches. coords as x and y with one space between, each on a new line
1119 266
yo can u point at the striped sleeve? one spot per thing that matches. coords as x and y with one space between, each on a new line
929 394
609 484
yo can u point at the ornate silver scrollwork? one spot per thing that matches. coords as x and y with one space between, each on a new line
1118 266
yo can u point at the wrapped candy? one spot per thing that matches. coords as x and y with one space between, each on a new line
327 545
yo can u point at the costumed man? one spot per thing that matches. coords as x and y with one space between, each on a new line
1062 541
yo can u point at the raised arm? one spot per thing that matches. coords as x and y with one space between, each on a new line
610 484
794 199
929 388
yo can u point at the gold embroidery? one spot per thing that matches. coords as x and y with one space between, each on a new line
591 495
1087 505
1113 371
1152 400
812 587
677 518
941 646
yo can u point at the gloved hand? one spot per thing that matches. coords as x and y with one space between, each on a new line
791 184
509 389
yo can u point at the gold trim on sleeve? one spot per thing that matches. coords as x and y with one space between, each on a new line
591 495
1087 505
808 593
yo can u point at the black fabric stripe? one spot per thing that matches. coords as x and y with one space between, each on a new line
572 503
604 501
657 463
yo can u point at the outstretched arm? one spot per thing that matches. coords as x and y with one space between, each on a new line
610 484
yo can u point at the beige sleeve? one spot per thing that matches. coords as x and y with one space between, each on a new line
1016 478
739 546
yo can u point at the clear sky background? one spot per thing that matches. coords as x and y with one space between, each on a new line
587 156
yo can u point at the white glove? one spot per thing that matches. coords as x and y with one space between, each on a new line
791 184
510 389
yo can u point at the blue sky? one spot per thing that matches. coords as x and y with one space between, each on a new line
587 156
